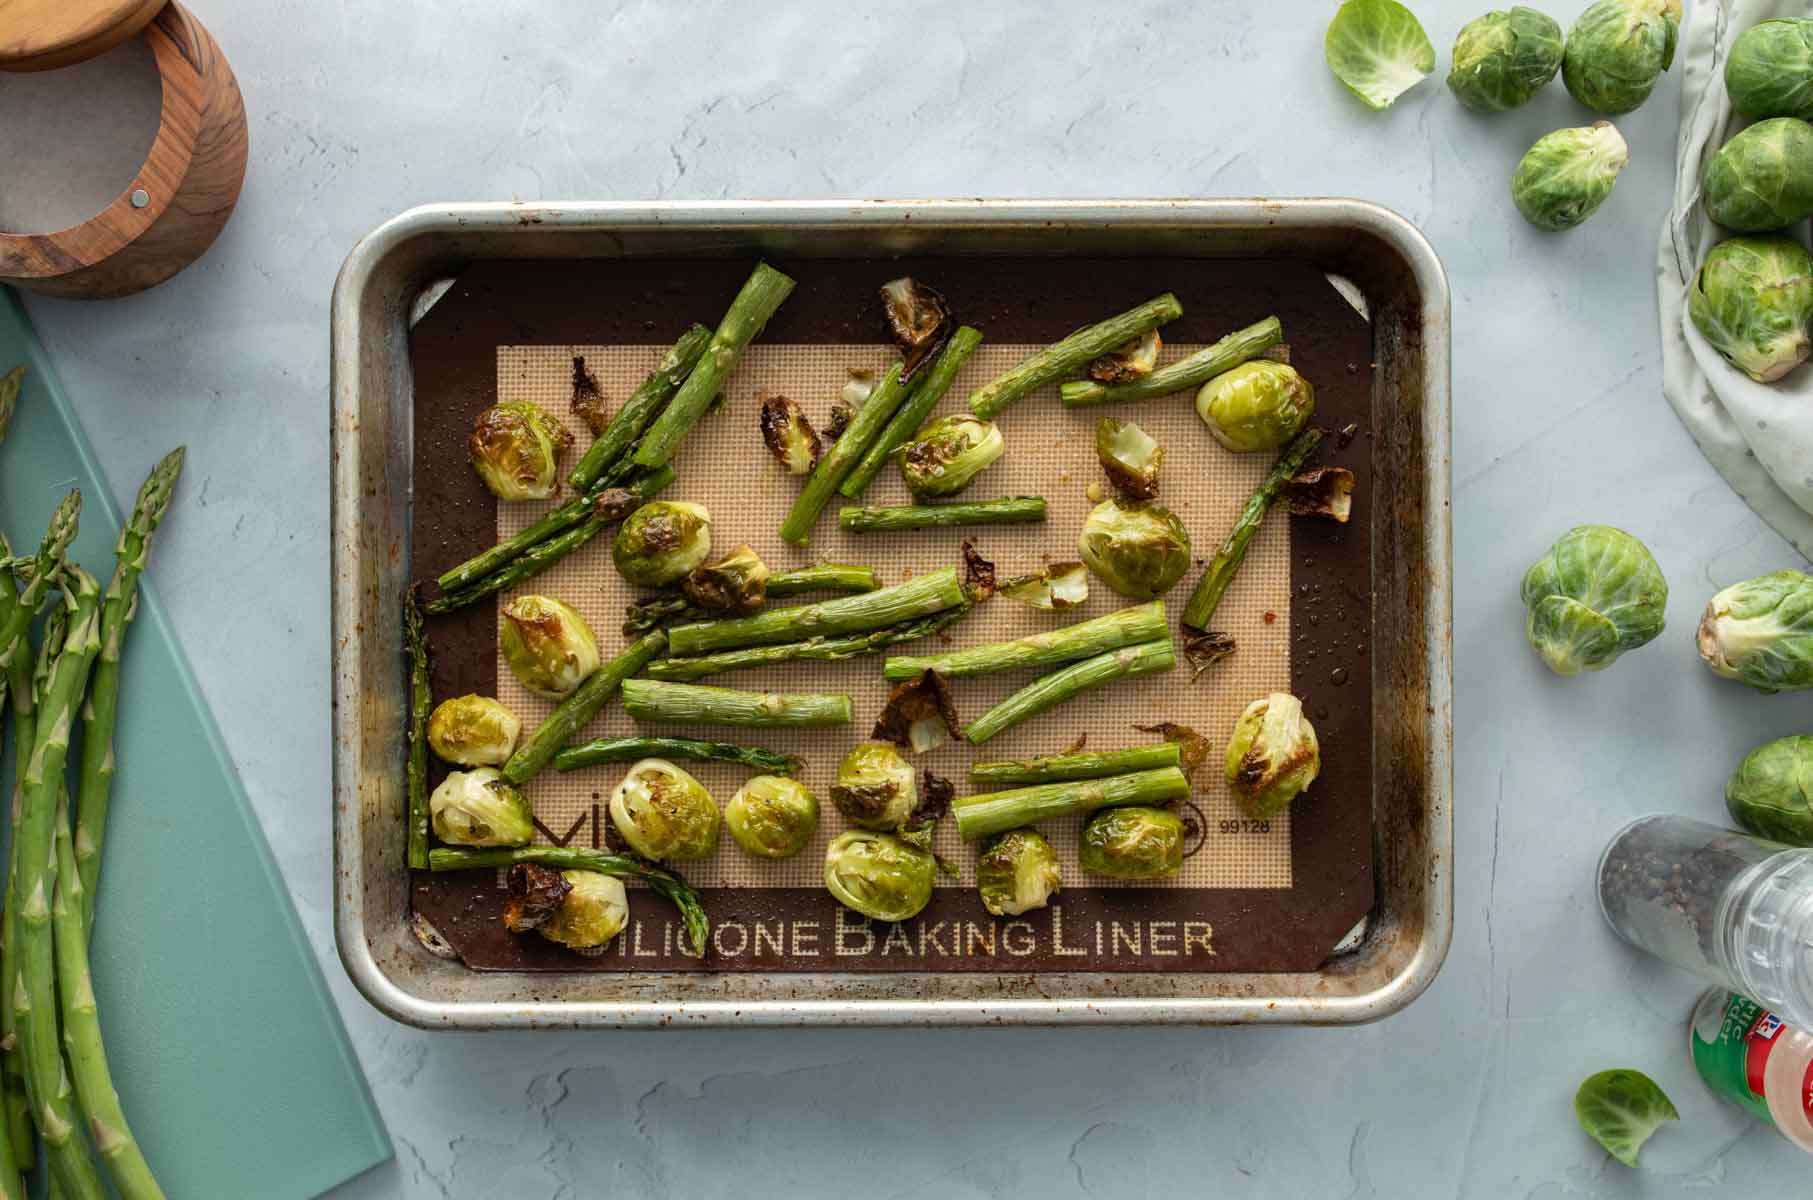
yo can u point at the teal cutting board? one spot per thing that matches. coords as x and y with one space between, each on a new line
235 1071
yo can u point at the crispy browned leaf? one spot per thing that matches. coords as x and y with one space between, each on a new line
588 399
919 319
919 714
978 574
1194 748
1325 492
1203 650
536 893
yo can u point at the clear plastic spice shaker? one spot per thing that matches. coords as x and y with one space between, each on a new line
1753 1058
1733 909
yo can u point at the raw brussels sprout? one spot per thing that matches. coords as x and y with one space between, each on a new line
1132 843
1753 300
515 448
1771 792
879 876
1761 632
661 542
948 453
1617 50
1259 405
473 731
875 786
664 813
1770 70
1503 59
1130 456
772 816
1620 1110
1016 872
1138 548
737 584
1128 361
481 808
1272 756
1597 593
1564 178
596 910
1378 49
1762 179
549 647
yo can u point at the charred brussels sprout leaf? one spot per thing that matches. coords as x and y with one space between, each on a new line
516 448
1761 632
1564 178
535 893
1620 1110
588 399
1503 59
919 319
1138 548
1258 405
879 876
1753 300
945 456
1617 50
595 910
1130 456
788 435
1770 70
473 731
1058 587
875 787
664 813
1597 593
1320 492
1016 872
661 542
772 816
549 647
1132 843
481 808
919 714
1378 49
1762 179
1272 756
1129 361
1771 792
737 584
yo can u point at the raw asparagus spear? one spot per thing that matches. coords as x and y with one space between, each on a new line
1226 564
914 413
415 644
694 704
18 1142
932 592
825 577
997 812
661 880
1009 510
640 410
10 385
1046 693
762 293
1071 356
1062 767
815 650
634 749
95 785
1125 627
62 530
577 710
1193 371
842 457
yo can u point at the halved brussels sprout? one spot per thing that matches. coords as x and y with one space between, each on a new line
737 584
875 787
1132 843
1139 548
1760 631
1259 405
664 813
1762 179
595 910
662 541
1617 50
1378 49
1753 300
945 456
1016 872
1130 456
481 808
788 435
1272 756
1770 70
1597 593
548 647
515 448
1129 361
772 816
473 731
1771 792
879 876
1503 59
1564 178
1059 586
919 319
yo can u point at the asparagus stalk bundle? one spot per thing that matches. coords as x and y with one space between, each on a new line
1125 627
695 704
641 409
18 1141
820 649
1060 768
822 577
577 710
842 457
997 812
1009 510
1226 564
913 414
421 699
64 522
917 597
1049 691
1071 356
634 749
1193 371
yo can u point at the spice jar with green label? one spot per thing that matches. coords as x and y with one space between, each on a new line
1750 1056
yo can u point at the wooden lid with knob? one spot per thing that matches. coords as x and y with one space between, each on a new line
42 35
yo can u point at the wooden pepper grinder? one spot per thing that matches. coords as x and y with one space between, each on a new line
175 204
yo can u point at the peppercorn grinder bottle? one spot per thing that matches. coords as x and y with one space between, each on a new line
1753 1058
1733 909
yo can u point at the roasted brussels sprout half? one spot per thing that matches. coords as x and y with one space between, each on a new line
1564 178
549 647
1130 456
1770 70
919 319
945 456
879 876
1378 49
480 808
1139 548
1016 872
595 909
473 731
875 787
788 435
1503 59
1597 593
1762 179
1617 50
661 542
1761 632
515 448
664 813
1129 361
1059 586
772 816
1753 301
1259 405
737 584
1132 843
1771 792
1320 492
1272 756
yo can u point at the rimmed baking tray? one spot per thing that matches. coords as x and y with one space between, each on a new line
1375 257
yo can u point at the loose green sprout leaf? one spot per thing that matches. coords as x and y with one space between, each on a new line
772 816
1132 843
1138 548
1058 587
1503 59
661 542
473 731
547 646
1258 405
1596 594
481 808
664 813
1770 71
1564 178
1272 756
516 448
946 456
1617 50
1771 792
1130 456
879 875
1016 872
1761 632
1129 361
1753 300
1378 49
876 787
1620 1109
1762 179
